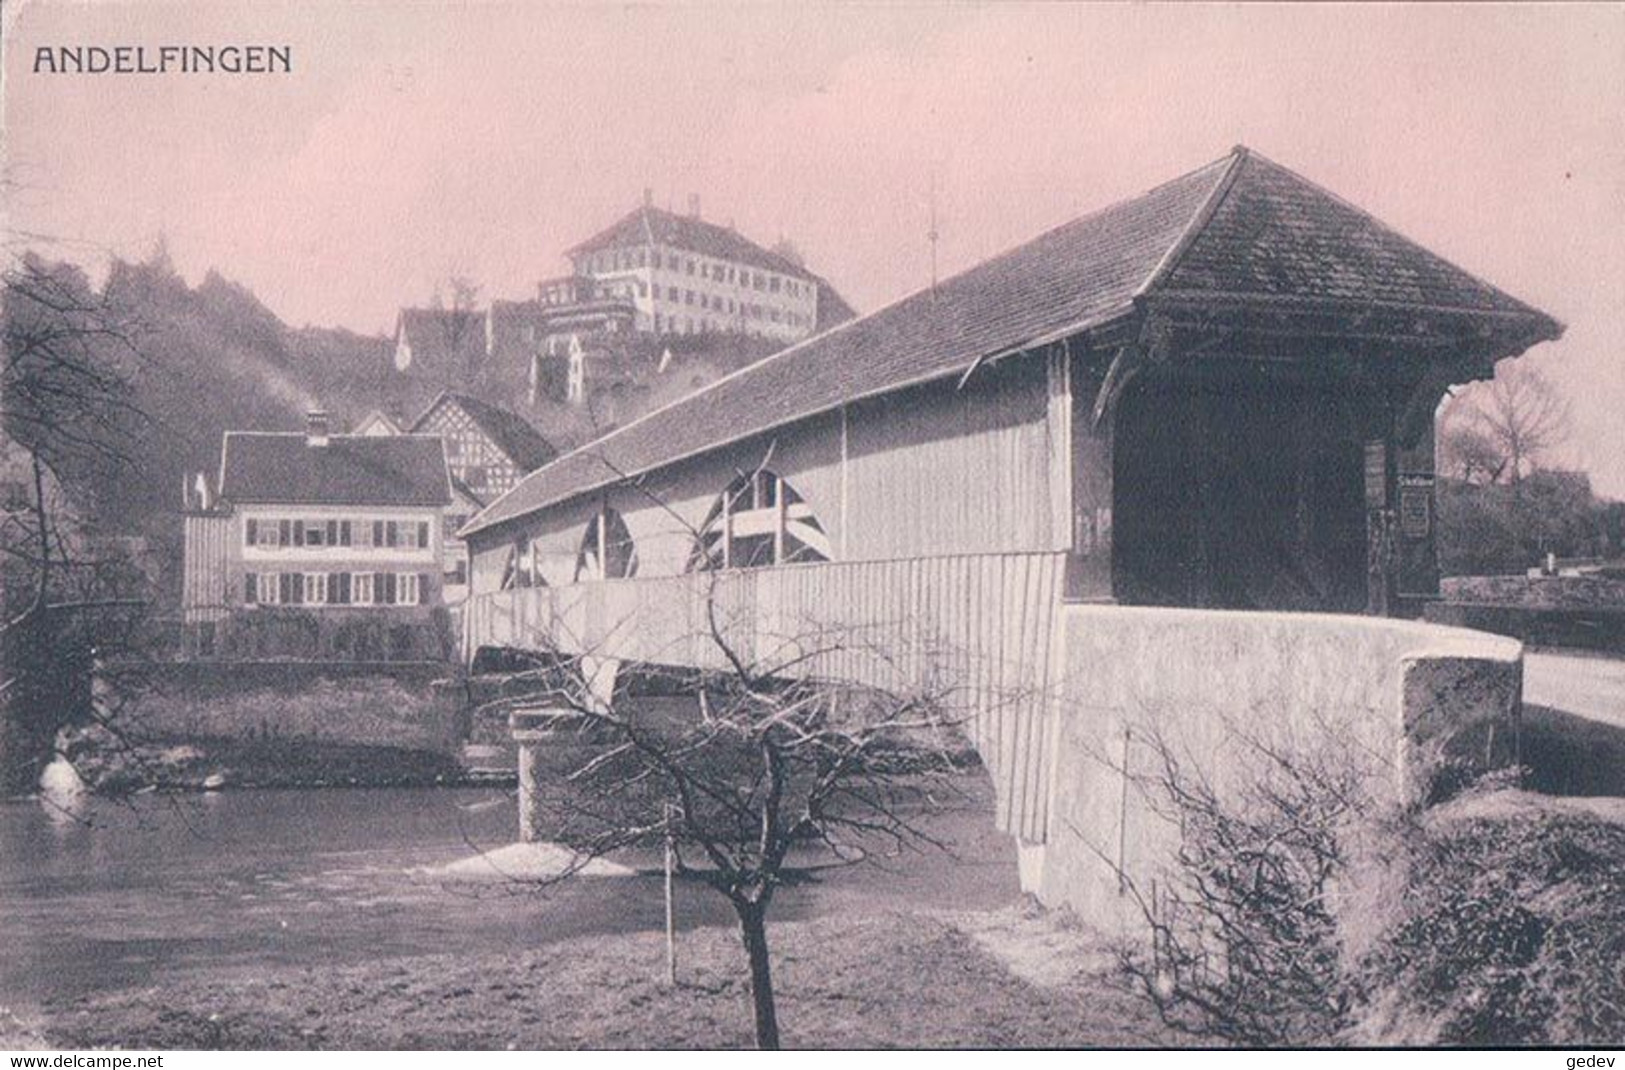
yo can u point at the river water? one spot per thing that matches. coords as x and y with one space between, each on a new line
126 894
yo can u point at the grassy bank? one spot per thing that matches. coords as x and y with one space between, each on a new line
112 766
197 725
1512 930
881 981
291 700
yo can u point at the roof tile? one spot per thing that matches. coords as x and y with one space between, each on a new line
648 224
510 432
284 469
1240 227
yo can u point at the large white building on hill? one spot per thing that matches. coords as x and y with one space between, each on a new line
685 275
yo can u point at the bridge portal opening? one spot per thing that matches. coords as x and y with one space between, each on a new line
1239 491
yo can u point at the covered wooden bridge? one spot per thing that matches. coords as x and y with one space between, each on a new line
1218 395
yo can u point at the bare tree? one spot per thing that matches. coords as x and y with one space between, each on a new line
769 757
64 407
1467 454
1505 428
768 762
458 300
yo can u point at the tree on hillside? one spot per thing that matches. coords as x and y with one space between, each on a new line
459 298
225 366
1502 430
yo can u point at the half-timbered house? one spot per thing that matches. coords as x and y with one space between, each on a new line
488 450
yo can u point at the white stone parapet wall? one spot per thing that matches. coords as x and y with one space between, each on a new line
1394 696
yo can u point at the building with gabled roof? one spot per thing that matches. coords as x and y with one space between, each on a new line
488 448
318 546
1049 484
448 343
647 225
1239 236
686 275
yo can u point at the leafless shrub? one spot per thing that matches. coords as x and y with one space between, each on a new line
1247 939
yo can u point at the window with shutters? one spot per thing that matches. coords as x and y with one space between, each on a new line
408 588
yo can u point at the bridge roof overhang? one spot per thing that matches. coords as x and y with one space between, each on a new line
1241 259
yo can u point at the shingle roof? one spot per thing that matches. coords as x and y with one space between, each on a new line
1241 225
283 469
1277 234
508 431
648 224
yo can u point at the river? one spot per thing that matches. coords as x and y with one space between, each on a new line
127 893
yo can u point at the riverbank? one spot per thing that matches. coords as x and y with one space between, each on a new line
911 980
113 766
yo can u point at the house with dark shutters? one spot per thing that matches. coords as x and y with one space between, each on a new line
318 545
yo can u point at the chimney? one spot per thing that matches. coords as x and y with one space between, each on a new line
694 205
648 197
316 428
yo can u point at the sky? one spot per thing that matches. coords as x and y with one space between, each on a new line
412 142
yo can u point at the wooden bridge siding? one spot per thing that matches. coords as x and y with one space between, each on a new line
982 624
937 470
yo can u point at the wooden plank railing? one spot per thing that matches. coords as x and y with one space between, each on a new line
976 629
